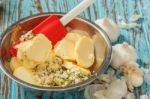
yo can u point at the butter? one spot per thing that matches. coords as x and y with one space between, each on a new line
74 37
70 65
55 64
65 49
14 63
39 49
24 74
36 49
84 52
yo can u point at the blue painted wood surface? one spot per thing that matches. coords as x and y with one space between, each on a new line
17 9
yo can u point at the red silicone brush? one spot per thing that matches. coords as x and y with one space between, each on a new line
54 28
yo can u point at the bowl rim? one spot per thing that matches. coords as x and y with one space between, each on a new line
70 87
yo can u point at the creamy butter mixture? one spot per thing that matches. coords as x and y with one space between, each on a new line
37 62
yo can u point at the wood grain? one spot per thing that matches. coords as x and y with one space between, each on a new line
14 10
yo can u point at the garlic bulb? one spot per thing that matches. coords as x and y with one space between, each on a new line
122 54
114 91
133 75
110 27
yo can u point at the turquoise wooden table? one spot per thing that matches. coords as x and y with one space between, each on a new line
14 10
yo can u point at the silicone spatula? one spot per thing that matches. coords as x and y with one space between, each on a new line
54 28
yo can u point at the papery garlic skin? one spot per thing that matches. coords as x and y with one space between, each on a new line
100 94
91 89
147 78
111 91
122 54
110 27
114 91
136 79
136 17
144 96
130 96
133 75
107 78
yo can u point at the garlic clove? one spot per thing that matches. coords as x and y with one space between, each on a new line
131 67
122 54
132 74
136 79
110 27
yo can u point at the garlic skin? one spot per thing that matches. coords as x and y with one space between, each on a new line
144 96
146 74
124 25
130 25
117 89
122 54
107 78
100 94
135 17
132 74
136 79
91 89
130 96
107 89
110 27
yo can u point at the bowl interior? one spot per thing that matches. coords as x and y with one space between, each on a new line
101 42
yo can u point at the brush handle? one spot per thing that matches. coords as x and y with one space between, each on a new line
75 11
